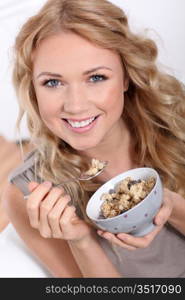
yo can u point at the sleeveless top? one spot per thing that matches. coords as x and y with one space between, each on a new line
163 258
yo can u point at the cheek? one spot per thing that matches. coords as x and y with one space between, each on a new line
48 116
43 109
114 100
47 107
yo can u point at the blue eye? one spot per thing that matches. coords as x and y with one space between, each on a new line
52 83
96 78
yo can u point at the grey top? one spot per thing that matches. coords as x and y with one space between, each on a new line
164 258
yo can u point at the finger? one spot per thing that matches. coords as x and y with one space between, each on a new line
166 209
45 207
32 186
139 242
55 214
33 202
114 240
66 220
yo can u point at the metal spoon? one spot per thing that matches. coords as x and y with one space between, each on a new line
82 177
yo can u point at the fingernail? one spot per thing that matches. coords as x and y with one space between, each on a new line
121 236
47 183
159 221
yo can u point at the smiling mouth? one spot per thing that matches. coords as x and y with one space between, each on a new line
80 124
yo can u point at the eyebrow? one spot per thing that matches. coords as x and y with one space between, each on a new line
85 73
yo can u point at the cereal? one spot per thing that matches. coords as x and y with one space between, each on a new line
96 166
127 194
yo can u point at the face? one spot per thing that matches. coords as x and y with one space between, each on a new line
80 90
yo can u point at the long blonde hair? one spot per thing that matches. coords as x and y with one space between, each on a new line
154 103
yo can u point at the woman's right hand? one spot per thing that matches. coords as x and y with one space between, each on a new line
49 212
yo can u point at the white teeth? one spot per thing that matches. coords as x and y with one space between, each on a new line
81 124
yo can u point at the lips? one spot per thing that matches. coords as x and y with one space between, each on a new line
80 125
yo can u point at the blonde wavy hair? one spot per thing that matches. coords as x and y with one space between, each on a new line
154 103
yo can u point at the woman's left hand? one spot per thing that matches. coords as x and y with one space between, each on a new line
130 242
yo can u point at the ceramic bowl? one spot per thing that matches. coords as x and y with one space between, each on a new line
138 220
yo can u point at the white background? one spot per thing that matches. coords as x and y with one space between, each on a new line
164 21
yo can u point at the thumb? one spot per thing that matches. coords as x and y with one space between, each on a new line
32 186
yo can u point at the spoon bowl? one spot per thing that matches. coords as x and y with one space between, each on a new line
84 176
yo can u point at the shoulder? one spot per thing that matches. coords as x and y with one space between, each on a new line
25 172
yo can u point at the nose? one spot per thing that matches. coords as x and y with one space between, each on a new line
75 100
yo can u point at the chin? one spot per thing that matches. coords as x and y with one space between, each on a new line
84 143
83 147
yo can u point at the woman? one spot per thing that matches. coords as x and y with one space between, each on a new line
91 88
